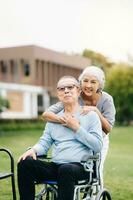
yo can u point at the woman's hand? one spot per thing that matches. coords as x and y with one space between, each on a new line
105 124
87 109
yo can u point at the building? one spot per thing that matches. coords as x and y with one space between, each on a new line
28 77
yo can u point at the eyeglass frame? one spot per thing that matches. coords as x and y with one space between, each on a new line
69 87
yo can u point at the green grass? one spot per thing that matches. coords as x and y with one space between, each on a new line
119 164
118 167
17 142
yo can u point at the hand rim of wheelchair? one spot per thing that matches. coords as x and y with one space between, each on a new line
103 194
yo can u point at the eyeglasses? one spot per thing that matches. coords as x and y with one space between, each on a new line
69 87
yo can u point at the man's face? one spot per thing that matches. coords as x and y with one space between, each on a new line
67 91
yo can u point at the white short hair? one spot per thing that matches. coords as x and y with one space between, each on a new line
94 71
73 80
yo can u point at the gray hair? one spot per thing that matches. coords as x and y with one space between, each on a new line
75 81
94 71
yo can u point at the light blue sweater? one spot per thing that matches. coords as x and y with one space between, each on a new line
105 105
70 146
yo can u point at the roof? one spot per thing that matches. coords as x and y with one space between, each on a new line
36 52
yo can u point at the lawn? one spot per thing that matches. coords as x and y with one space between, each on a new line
118 168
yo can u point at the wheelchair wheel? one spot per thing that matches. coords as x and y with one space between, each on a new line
103 194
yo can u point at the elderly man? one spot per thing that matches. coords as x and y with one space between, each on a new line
77 136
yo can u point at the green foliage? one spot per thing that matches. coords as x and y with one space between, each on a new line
14 125
97 59
120 86
4 103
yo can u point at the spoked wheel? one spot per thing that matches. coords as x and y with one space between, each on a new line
103 194
39 197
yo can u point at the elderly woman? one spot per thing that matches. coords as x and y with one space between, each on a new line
92 97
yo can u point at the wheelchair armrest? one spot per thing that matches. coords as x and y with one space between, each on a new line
88 158
10 157
43 157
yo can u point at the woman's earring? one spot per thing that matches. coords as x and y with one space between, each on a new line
99 90
81 92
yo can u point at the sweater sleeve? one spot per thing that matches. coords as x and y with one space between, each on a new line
92 136
55 108
108 110
45 141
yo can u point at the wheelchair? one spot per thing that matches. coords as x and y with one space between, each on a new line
10 173
89 189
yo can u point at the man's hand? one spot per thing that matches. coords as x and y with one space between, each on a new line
70 122
30 153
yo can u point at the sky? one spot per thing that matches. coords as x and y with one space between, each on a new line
104 26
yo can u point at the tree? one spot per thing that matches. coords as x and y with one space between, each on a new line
120 86
4 104
97 59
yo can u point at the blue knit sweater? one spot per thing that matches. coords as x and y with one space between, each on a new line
70 146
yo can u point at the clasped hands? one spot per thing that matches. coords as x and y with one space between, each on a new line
70 121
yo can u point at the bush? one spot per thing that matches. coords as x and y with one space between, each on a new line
4 104
6 125
120 86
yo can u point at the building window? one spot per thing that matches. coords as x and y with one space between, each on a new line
14 70
37 73
53 100
40 104
13 66
3 67
26 69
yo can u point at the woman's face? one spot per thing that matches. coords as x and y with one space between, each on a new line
89 85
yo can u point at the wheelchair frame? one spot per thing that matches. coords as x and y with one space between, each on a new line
9 174
85 190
